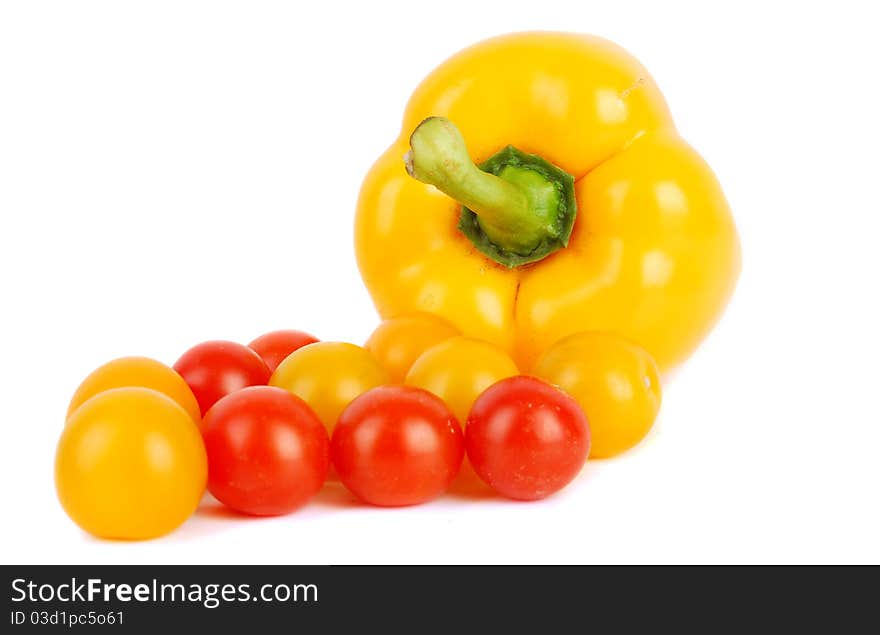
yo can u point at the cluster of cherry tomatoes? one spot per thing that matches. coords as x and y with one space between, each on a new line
263 425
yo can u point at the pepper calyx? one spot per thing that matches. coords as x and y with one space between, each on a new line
556 197
517 208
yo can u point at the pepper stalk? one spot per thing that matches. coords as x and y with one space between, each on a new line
517 208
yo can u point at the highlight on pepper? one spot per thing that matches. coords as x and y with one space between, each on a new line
539 188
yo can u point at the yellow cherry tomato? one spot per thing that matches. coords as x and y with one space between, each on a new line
130 465
614 381
136 371
459 370
399 342
328 376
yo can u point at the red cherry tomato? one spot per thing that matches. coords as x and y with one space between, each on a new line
268 452
216 369
526 438
397 445
274 347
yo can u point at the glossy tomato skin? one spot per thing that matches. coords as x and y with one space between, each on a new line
274 347
132 372
526 438
328 376
458 370
268 453
217 368
130 464
616 382
397 445
398 342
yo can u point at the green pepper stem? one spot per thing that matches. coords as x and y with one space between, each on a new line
438 156
517 208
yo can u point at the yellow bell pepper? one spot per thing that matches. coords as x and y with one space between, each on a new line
599 217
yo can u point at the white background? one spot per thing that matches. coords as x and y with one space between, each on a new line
172 172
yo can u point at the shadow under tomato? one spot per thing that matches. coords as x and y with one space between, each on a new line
334 494
216 509
211 517
469 486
